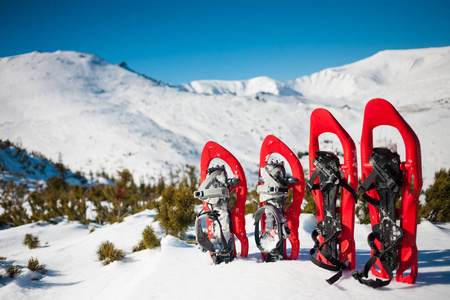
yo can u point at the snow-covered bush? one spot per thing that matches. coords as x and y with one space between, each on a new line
31 241
33 265
107 253
12 271
11 201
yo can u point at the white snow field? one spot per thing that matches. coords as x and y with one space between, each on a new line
177 270
99 116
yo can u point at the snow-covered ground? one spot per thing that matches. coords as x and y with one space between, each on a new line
177 270
99 116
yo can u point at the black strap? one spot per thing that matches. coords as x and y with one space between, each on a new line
385 256
223 255
282 228
327 168
334 264
315 186
386 179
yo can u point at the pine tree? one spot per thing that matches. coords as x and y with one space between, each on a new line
12 199
149 240
437 198
37 205
75 207
123 196
107 253
176 208
96 195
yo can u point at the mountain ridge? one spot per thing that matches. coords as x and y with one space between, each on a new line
402 60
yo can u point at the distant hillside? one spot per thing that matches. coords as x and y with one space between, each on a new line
32 168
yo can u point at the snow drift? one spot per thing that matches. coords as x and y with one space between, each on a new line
176 269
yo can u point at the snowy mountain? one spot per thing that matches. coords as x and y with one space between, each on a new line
258 85
99 116
380 74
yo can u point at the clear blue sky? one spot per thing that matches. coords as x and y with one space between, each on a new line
181 41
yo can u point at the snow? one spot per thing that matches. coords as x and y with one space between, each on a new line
178 270
98 116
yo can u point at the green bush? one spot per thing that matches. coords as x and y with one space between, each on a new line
309 204
33 265
31 241
107 253
12 198
139 247
123 196
12 271
437 198
175 208
149 240
252 203
362 212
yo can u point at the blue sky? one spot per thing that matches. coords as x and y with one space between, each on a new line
181 41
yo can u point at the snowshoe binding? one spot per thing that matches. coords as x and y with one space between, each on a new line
385 179
333 237
222 223
277 222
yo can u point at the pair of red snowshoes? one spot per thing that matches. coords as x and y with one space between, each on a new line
223 223
384 178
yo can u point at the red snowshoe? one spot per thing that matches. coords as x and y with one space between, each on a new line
278 223
385 177
334 236
215 190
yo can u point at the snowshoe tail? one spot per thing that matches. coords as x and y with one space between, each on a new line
275 187
385 177
334 236
237 183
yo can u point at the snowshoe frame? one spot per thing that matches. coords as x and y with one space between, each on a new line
213 150
322 121
271 145
380 112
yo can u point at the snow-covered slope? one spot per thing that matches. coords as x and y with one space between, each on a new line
32 169
404 76
177 270
99 116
